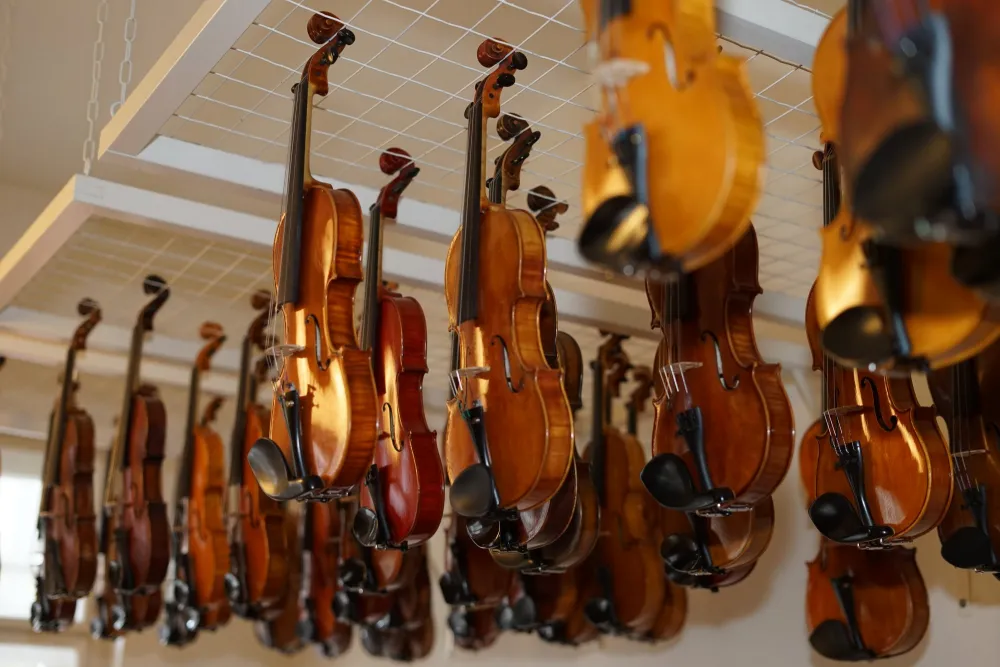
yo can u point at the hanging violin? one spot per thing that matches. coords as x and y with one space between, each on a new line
865 605
576 629
67 525
402 499
258 571
630 575
199 547
406 632
324 420
502 379
970 530
136 540
665 89
321 533
710 366
281 631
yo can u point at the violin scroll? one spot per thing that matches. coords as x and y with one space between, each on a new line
508 61
211 410
157 286
643 376
213 333
92 311
492 51
544 204
395 161
509 125
323 26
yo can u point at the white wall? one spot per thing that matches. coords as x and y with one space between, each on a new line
760 621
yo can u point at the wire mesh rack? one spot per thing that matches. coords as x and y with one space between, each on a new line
406 82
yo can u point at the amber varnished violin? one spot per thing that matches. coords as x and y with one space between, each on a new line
723 433
502 380
471 578
200 549
970 530
321 533
258 572
629 572
367 572
402 499
406 632
668 98
136 532
324 420
863 605
67 525
281 632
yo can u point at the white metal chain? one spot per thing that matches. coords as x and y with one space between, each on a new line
89 145
125 69
5 39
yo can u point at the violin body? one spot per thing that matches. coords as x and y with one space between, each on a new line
471 578
72 524
340 435
281 632
713 326
670 621
971 526
694 217
863 604
323 541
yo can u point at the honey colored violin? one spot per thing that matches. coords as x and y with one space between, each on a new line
200 550
723 433
864 605
258 572
505 391
402 499
970 530
136 532
324 420
668 98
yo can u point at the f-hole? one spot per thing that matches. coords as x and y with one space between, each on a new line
323 365
718 363
392 426
891 426
506 365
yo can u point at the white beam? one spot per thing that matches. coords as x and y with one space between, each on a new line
43 238
780 28
212 30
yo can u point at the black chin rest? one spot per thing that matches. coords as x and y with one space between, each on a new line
856 336
598 611
512 560
365 527
680 553
835 517
968 548
616 234
269 466
471 492
669 481
525 614
832 639
345 607
351 573
451 589
484 533
372 640
458 621
554 631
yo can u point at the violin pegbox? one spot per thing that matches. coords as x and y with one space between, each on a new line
546 206
215 337
511 127
91 310
494 52
395 161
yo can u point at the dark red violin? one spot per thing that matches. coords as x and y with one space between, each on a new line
403 495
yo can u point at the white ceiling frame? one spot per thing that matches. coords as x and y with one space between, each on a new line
210 33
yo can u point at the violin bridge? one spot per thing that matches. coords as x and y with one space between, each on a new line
673 377
283 351
616 72
458 376
963 454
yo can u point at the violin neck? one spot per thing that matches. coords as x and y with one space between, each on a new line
831 185
598 410
119 453
633 420
57 427
475 201
297 175
244 398
187 462
613 9
373 278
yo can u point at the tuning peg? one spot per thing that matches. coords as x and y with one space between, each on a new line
505 80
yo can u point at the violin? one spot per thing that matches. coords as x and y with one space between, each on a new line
709 367
665 88
320 537
200 550
629 571
117 614
471 578
545 207
535 601
259 564
864 605
473 629
880 305
67 525
402 499
406 632
324 418
576 629
915 147
498 258
136 540
365 570
281 631
970 529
